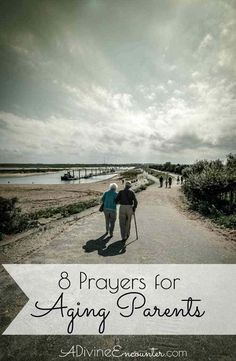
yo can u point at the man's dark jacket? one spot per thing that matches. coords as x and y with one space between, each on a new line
127 197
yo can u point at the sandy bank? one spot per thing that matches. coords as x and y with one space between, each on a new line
34 197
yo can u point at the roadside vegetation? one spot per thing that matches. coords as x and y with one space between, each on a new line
157 173
144 186
65 211
12 220
169 167
130 174
210 187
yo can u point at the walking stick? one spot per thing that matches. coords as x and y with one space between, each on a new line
136 229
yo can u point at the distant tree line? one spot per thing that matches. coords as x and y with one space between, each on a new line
169 167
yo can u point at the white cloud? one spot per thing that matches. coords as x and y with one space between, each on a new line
161 88
225 58
178 92
151 96
195 75
225 32
172 67
207 40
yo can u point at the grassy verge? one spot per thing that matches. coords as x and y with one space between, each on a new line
157 173
14 221
209 211
227 221
65 211
144 186
130 174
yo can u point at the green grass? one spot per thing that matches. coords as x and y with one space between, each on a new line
65 211
130 174
13 221
157 173
142 187
227 221
211 212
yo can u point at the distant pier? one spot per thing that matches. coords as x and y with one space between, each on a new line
84 173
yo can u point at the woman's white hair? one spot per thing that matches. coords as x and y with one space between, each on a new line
113 186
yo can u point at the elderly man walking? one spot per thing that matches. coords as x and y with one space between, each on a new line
128 204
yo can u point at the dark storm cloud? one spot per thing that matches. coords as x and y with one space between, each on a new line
187 141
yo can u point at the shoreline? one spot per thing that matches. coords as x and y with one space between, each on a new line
35 197
22 175
12 175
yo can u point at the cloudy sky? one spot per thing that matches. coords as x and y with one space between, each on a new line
117 80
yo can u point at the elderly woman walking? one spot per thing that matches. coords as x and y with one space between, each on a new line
109 208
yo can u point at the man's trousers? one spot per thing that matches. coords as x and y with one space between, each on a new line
125 216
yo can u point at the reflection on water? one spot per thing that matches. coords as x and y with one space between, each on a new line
51 178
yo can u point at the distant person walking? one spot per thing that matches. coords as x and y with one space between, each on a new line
161 181
182 180
178 180
170 181
109 208
128 204
166 182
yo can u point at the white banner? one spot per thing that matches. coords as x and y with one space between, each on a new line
123 299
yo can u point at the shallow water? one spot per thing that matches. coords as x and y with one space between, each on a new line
51 178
